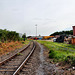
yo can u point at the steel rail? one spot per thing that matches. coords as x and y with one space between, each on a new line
4 61
21 66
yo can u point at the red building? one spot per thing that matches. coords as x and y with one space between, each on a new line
73 38
73 30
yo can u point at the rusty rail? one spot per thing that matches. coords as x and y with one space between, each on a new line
14 55
21 66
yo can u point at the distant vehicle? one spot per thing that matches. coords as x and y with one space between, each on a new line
54 39
60 39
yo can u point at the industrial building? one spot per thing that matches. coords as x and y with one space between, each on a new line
73 37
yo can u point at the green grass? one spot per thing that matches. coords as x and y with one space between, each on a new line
25 42
60 51
19 54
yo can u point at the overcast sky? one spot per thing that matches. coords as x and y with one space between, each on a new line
49 15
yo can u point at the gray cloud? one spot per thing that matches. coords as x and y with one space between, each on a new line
49 15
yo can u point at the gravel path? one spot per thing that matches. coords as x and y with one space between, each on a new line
45 68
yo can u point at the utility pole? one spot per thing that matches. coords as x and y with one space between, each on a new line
36 30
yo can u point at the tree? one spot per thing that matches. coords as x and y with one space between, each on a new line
24 36
63 32
6 35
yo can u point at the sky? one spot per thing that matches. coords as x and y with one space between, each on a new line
49 15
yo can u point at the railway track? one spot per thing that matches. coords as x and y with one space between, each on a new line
14 64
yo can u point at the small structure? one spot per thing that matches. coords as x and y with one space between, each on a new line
67 39
73 30
35 37
57 36
60 39
73 38
39 37
47 37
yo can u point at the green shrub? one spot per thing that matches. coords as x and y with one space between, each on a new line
70 59
23 42
11 45
73 60
51 54
19 54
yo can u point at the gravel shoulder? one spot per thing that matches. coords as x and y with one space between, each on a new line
45 68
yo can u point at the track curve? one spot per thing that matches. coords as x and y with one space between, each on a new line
14 64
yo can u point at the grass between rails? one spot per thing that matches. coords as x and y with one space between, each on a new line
7 47
60 52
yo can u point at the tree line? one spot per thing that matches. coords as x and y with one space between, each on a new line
62 33
9 36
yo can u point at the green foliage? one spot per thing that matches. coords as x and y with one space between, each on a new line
63 32
19 54
70 59
25 42
11 45
24 36
51 54
21 39
6 35
60 51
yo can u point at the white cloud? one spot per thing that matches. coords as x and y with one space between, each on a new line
49 15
